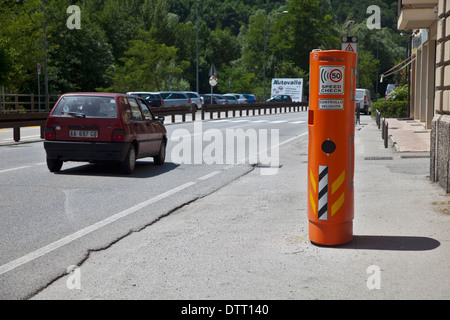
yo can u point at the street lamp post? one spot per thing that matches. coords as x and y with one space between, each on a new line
264 75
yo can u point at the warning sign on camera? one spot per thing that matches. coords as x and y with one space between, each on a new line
331 80
331 104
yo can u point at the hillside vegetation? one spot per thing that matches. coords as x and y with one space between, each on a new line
152 44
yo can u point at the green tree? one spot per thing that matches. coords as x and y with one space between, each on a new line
104 53
4 67
147 65
368 68
252 43
236 79
309 25
78 59
22 42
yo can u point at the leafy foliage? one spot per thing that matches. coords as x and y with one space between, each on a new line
399 93
152 44
391 109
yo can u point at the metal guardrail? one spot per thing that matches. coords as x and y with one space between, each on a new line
173 111
17 120
254 108
233 109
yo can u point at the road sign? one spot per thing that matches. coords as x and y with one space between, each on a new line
213 81
331 80
349 43
212 71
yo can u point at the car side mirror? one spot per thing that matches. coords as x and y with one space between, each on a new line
161 119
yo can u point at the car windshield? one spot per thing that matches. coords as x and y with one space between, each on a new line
86 107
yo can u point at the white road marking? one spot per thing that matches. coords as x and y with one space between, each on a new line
13 169
210 175
96 226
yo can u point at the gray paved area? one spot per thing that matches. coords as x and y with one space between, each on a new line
249 240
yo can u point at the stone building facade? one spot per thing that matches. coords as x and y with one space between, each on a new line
430 77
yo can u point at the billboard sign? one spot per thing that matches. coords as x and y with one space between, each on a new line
292 87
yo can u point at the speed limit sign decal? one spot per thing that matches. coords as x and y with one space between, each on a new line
331 80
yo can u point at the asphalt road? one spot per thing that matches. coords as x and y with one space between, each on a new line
50 222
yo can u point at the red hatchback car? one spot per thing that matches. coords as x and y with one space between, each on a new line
94 127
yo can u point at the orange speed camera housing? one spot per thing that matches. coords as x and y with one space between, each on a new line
331 151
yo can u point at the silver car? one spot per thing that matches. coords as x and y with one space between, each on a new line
216 99
176 99
231 99
195 99
240 97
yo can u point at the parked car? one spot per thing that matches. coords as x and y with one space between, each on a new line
91 127
216 99
251 98
363 101
176 99
153 99
239 97
280 98
389 88
231 98
195 99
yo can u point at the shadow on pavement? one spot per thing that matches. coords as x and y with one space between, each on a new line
392 243
144 169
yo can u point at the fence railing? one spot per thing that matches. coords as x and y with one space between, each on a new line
253 108
173 111
231 110
13 103
18 118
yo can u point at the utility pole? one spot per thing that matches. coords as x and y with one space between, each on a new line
264 56
196 44
45 59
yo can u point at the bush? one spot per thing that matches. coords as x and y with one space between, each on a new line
391 109
399 93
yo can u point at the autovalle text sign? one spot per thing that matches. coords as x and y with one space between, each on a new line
292 87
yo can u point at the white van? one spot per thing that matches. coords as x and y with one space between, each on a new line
363 101
389 88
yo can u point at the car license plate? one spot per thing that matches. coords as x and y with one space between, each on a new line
83 134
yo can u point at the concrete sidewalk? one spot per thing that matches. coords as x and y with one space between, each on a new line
249 240
409 135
